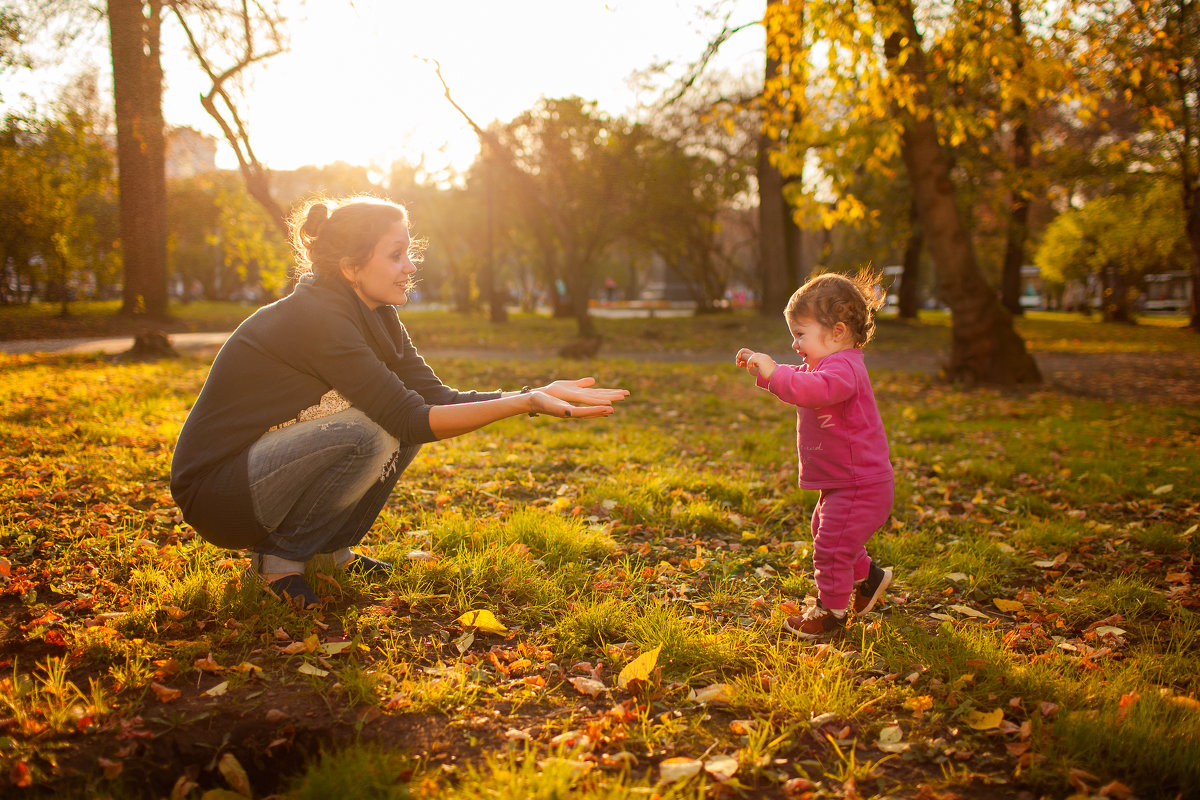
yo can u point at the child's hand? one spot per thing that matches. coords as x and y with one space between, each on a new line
755 363
761 364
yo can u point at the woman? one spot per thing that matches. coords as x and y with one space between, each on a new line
317 403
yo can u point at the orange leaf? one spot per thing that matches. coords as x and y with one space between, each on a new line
19 775
207 664
165 694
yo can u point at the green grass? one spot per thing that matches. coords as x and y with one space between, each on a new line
1044 570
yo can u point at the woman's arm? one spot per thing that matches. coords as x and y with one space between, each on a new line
449 421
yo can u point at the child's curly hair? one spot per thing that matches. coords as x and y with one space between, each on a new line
832 298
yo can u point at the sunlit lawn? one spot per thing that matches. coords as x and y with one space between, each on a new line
1042 634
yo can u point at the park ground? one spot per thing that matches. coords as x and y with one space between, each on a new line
594 608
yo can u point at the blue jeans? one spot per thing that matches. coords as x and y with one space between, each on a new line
318 486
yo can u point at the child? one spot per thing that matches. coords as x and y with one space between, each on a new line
842 446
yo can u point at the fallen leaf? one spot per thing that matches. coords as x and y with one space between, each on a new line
1109 630
968 611
513 734
890 740
483 620
110 768
309 669
165 694
721 767
639 669
587 686
182 788
717 693
1115 789
333 648
942 617
984 720
1166 488
957 577
1008 606
677 769
207 664
218 690
234 774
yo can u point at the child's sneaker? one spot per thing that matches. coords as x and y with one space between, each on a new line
815 622
869 590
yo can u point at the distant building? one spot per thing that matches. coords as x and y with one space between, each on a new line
1169 292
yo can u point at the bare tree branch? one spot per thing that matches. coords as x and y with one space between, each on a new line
255 174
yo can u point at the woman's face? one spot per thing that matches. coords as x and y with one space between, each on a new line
386 278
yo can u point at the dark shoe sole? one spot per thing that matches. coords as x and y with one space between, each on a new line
369 567
884 583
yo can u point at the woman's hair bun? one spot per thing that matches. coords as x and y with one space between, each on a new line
318 213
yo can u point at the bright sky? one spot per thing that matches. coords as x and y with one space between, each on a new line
353 87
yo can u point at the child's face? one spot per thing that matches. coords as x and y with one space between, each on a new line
812 341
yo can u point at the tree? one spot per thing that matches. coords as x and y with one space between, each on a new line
1148 53
55 205
1115 241
881 101
570 169
134 28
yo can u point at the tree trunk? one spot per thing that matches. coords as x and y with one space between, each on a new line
908 300
141 153
1018 220
985 345
1191 202
1116 298
777 253
772 240
1018 223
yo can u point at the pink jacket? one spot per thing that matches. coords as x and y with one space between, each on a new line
839 433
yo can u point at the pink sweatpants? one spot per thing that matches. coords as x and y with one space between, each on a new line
842 522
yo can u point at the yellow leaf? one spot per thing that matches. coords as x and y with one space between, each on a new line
1008 606
234 774
639 670
970 612
218 690
333 648
309 669
984 720
1166 488
483 620
677 769
717 693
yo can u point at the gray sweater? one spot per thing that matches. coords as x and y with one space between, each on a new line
280 361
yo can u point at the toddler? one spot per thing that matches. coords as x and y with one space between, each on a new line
843 450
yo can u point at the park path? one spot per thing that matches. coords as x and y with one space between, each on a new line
1155 378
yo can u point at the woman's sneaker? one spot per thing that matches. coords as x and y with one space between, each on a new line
868 591
816 621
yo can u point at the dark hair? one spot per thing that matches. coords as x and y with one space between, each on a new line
327 233
832 298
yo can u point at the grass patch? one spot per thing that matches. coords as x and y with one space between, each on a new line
1043 545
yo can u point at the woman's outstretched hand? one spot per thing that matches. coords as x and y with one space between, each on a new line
597 400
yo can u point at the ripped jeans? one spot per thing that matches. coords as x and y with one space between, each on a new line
319 485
